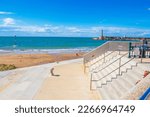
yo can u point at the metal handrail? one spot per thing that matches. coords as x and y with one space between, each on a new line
108 46
102 58
110 63
100 50
103 63
113 70
96 49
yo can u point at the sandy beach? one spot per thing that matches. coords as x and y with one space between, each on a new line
25 60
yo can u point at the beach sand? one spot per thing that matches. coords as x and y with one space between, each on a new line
25 60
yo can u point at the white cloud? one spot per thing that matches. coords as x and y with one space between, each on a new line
31 29
5 13
10 25
120 31
8 21
73 29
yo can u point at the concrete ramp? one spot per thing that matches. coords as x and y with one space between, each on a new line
37 83
23 83
69 83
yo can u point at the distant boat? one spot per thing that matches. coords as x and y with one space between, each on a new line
95 38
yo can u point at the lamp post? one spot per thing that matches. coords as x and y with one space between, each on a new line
129 49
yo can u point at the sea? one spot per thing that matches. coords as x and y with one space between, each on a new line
48 44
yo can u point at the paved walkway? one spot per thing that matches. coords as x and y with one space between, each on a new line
23 83
69 83
36 83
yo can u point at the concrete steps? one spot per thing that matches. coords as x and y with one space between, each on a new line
118 87
108 93
108 68
115 85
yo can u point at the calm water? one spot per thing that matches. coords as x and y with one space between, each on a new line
50 44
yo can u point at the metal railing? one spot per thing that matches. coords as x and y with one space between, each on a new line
118 68
110 64
108 46
104 61
139 50
95 53
103 58
112 46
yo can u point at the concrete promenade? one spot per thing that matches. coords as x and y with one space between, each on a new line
70 82
37 83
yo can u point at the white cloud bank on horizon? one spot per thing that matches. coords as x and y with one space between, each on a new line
9 27
5 13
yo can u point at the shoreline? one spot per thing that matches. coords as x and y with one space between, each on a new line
27 60
45 50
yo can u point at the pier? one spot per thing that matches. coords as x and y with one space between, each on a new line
118 38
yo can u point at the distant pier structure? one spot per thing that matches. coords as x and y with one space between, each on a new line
118 38
115 38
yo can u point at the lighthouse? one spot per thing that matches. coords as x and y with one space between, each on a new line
102 36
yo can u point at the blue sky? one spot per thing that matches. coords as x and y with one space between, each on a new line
74 17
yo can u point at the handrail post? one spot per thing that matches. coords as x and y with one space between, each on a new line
130 44
119 50
91 81
104 57
141 55
119 65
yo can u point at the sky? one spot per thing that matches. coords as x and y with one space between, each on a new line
85 18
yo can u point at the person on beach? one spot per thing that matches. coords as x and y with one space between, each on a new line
77 54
